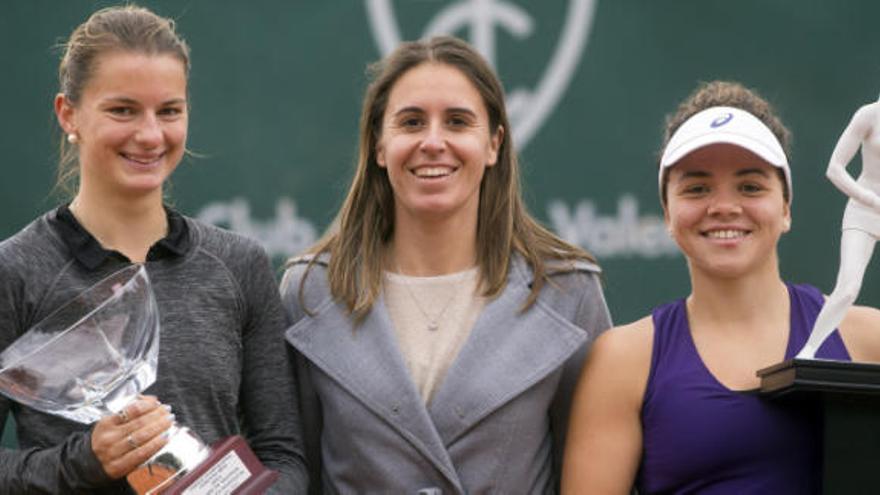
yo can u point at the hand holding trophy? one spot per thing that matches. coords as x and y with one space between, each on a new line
92 357
861 220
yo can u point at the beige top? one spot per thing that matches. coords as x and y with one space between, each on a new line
432 318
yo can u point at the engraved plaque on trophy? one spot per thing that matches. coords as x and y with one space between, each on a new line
93 356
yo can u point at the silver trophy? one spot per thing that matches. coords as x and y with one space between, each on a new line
93 356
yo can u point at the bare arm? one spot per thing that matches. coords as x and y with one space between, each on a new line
860 330
605 433
593 317
859 129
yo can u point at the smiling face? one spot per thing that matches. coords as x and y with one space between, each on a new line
130 123
436 142
726 211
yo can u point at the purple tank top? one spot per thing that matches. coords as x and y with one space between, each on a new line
701 437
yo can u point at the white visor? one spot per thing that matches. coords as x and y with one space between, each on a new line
725 125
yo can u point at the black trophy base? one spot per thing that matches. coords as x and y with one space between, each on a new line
850 397
231 468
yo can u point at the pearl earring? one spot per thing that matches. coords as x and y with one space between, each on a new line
72 139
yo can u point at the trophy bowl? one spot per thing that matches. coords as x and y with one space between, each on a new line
94 355
90 357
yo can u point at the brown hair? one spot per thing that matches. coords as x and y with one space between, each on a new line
364 225
127 28
728 94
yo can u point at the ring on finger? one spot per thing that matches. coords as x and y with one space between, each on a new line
123 415
131 442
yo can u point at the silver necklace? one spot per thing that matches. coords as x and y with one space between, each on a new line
433 322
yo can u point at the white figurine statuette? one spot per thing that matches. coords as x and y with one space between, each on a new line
861 220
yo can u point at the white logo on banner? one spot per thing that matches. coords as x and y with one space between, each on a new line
527 108
283 236
626 233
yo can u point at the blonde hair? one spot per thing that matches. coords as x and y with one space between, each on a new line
358 239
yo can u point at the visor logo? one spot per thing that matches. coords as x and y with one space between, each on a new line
720 121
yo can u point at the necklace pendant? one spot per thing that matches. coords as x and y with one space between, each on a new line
433 327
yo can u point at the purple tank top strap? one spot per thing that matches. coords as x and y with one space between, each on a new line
670 320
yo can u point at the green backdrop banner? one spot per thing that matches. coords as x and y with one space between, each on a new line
276 89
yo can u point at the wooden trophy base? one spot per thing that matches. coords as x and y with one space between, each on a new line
231 468
820 375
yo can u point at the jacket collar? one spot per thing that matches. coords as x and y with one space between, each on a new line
367 363
522 349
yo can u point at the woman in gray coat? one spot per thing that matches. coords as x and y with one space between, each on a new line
437 328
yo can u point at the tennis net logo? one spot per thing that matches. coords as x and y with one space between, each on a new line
485 24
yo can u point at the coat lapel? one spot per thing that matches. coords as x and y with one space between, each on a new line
507 352
367 363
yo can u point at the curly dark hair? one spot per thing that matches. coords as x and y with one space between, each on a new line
726 94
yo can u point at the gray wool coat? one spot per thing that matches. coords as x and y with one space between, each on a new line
497 422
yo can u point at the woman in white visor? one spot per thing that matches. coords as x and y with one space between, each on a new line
668 404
